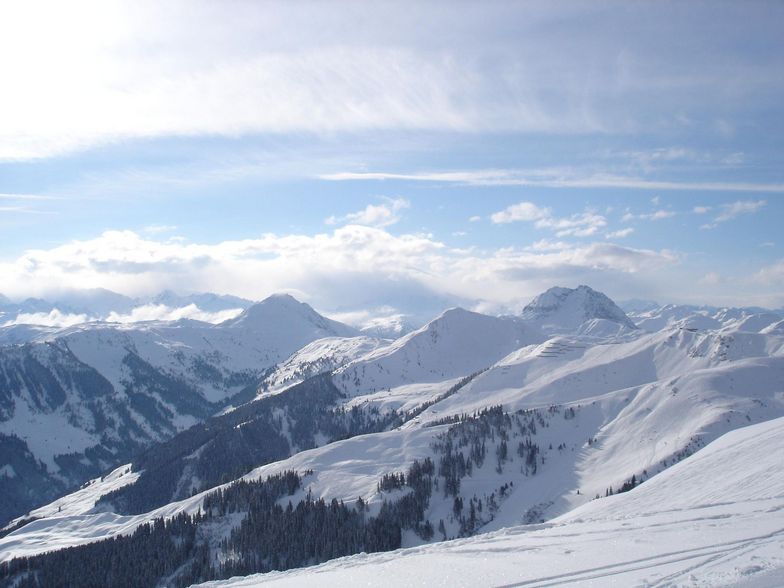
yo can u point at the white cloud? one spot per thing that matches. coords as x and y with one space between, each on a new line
475 219
116 70
659 215
583 224
737 208
547 245
53 318
554 178
157 229
655 200
733 210
374 215
523 211
651 216
620 234
161 312
352 267
91 72
701 209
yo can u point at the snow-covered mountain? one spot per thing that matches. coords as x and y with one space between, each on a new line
469 425
206 301
704 318
111 390
566 310
456 343
30 319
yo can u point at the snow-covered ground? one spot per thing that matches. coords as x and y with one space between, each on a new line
715 519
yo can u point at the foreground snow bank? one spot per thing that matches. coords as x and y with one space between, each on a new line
715 519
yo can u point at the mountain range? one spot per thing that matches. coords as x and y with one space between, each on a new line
470 424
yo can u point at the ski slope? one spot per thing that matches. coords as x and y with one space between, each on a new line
715 519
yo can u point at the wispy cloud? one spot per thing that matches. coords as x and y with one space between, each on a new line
733 210
582 224
132 69
656 215
157 229
620 234
25 197
24 210
554 178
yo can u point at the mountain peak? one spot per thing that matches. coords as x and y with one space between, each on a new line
568 308
283 312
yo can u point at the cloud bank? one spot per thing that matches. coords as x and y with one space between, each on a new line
352 267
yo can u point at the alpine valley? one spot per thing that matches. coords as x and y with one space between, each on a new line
632 443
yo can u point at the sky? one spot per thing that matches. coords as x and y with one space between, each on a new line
374 157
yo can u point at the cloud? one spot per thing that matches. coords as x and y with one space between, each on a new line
620 234
547 245
523 211
27 197
156 229
658 215
475 219
651 216
711 279
553 178
53 318
111 71
374 215
733 210
352 267
577 225
118 70
771 275
702 209
161 312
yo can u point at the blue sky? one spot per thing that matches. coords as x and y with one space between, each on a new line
394 155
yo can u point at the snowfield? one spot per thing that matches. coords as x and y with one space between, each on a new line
715 519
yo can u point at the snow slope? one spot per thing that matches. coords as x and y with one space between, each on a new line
715 519
456 343
320 356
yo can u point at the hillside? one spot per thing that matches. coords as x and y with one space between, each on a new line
714 519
